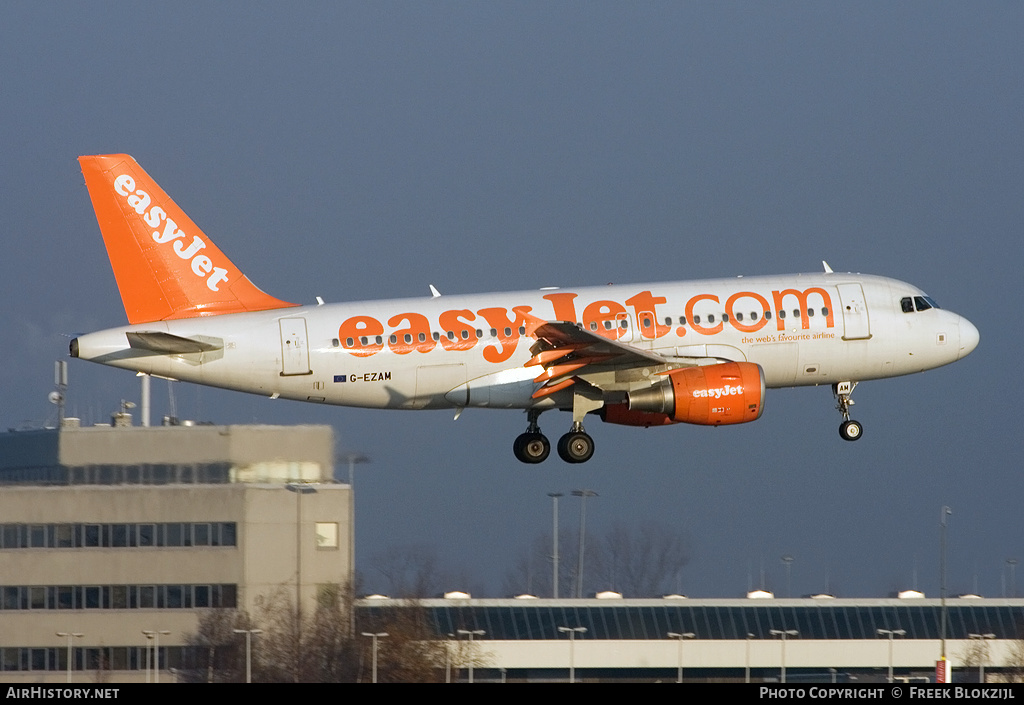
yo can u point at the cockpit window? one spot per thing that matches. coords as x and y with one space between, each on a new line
917 303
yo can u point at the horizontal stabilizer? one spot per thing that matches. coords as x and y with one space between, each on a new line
168 344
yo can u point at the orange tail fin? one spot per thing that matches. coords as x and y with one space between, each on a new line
165 266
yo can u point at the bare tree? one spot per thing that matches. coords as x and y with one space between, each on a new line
639 561
214 653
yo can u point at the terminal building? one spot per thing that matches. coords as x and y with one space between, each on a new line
733 640
116 538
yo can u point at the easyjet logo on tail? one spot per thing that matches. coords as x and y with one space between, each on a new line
201 265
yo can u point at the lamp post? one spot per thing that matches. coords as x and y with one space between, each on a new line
299 488
946 511
890 633
248 650
680 636
572 632
783 633
1012 562
154 636
582 494
983 654
554 542
70 636
470 633
746 670
352 459
375 636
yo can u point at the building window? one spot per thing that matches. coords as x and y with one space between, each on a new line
327 534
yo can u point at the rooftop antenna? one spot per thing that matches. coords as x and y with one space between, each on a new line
60 383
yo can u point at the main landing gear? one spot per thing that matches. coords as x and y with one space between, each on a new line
533 447
849 430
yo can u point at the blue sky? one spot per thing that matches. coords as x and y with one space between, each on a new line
362 150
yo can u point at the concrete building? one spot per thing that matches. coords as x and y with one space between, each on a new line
732 640
110 532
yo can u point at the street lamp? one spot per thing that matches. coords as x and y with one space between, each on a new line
983 655
154 636
746 674
783 633
470 633
680 636
946 511
248 650
572 632
582 494
299 488
70 636
375 636
554 542
890 633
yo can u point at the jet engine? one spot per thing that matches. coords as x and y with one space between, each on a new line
726 393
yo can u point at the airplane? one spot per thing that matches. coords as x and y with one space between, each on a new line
700 352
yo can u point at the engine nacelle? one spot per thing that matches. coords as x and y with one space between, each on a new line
727 393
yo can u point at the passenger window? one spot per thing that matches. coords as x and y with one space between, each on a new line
711 318
767 315
437 336
593 325
624 323
782 314
423 337
810 313
824 310
725 317
696 320
607 325
508 332
349 343
682 320
393 339
408 337
753 315
739 316
796 313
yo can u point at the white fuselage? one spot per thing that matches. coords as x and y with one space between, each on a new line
458 351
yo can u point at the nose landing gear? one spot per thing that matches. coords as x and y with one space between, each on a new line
849 430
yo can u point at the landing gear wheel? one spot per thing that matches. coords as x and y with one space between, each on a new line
576 447
531 448
850 430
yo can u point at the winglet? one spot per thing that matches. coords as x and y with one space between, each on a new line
165 266
828 270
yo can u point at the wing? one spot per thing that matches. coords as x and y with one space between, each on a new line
566 353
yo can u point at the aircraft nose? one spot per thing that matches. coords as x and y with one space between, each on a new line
969 338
